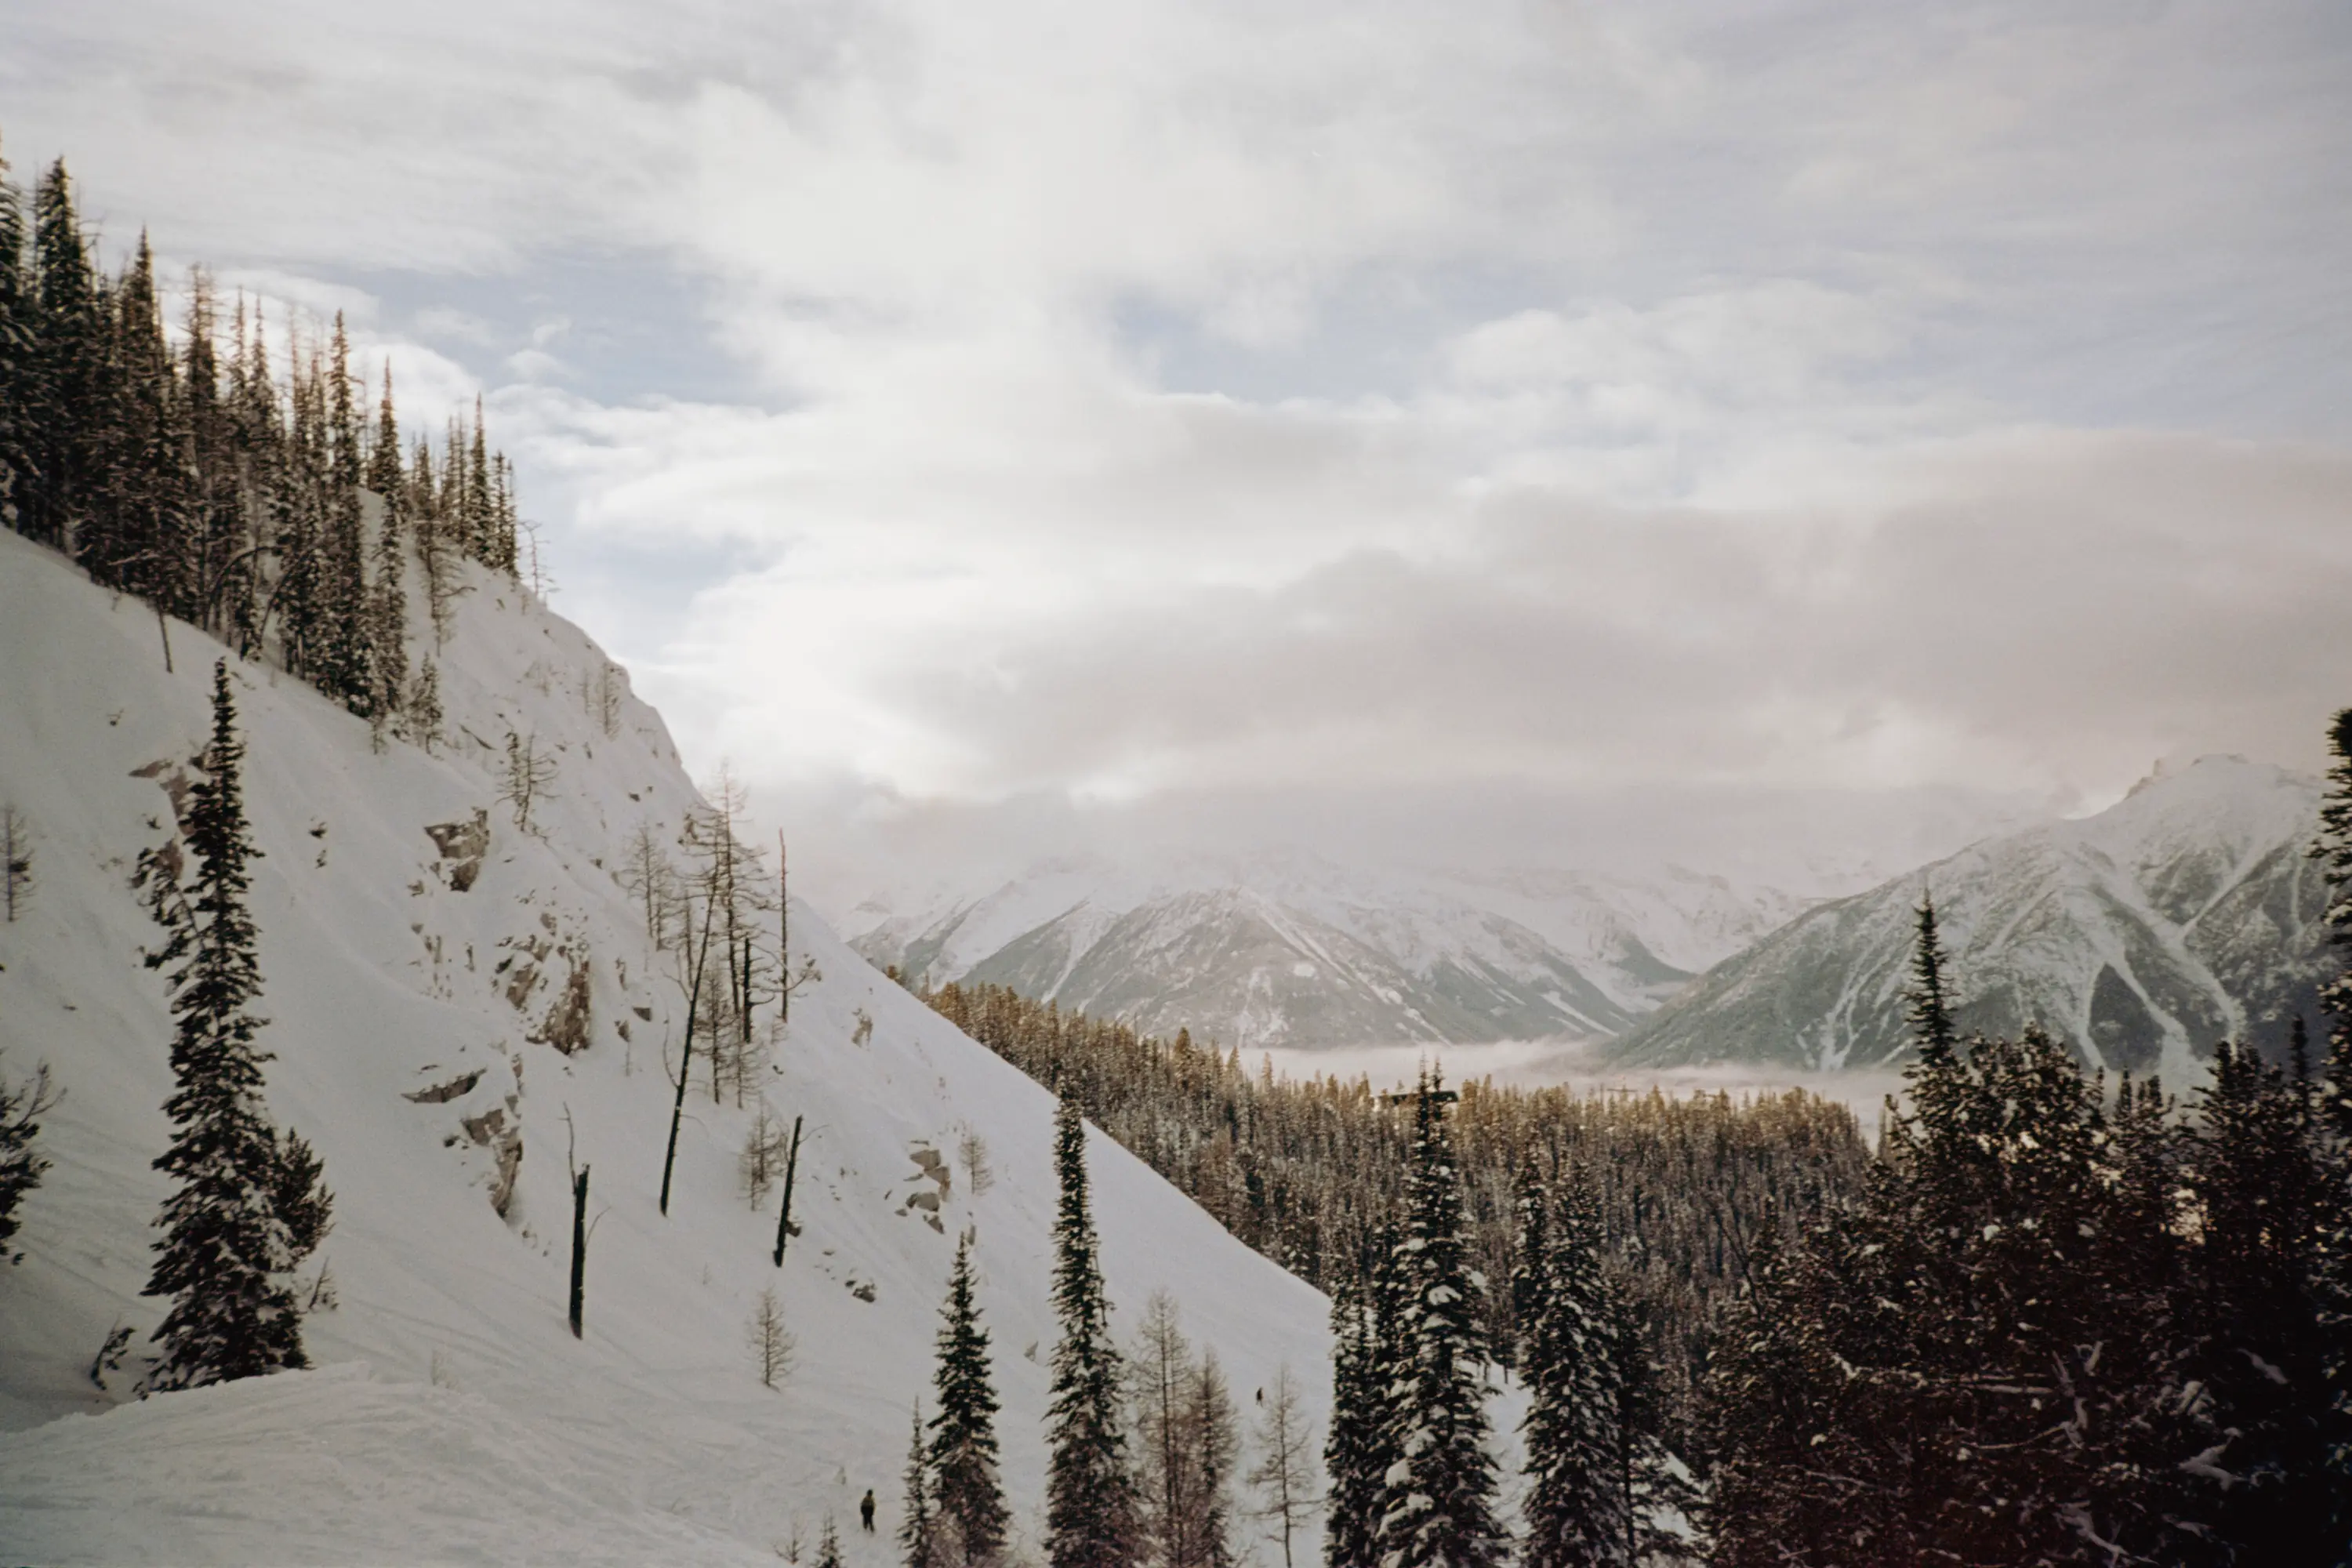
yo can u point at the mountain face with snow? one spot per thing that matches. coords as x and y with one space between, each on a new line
461 1011
2186 913
1298 952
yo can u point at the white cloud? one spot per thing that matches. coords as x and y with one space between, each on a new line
1161 400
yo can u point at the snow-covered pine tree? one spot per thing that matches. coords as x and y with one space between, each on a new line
1531 1258
387 595
917 1534
69 359
1351 1451
828 1546
17 388
968 1516
1779 1493
1576 1507
22 1106
2332 1120
1439 1495
232 1229
344 662
2258 1311
1089 1494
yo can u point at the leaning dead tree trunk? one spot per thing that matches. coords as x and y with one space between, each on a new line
784 1220
686 1060
579 1247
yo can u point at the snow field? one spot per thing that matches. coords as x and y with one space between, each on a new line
454 1417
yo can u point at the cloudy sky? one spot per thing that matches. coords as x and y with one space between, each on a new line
1484 430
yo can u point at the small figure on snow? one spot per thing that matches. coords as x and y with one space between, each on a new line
865 1511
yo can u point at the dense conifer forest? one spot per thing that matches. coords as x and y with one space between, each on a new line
188 467
1314 1174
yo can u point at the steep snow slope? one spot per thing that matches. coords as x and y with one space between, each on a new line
2185 914
427 1024
1295 951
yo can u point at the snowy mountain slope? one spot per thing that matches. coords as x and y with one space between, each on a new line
424 996
1295 951
2185 914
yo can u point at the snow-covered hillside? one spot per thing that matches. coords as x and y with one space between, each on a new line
1296 952
425 993
2185 914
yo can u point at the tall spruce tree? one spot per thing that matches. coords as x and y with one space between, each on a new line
2332 1123
917 1537
1089 1494
17 389
1576 1512
344 658
1352 1449
1439 1495
969 1519
2258 1312
233 1230
65 404
387 597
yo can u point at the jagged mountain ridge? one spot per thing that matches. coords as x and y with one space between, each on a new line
2186 913
1293 951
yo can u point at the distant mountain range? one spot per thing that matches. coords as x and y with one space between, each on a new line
2186 913
1293 951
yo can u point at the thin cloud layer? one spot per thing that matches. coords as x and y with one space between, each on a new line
1159 412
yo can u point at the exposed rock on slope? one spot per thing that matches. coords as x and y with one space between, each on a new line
2185 914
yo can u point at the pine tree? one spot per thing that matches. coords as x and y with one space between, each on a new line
19 399
1351 1467
1090 1495
2262 1359
2332 1121
1530 1211
69 359
22 1106
969 1515
420 716
916 1530
1577 1511
229 1240
345 659
828 1546
1439 1496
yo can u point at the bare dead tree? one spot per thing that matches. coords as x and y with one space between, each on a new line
762 1160
699 952
17 882
972 1149
646 875
784 1217
527 777
579 1225
772 1347
1284 1473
